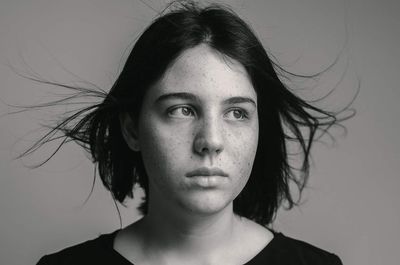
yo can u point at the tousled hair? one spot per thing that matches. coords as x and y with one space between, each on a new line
283 117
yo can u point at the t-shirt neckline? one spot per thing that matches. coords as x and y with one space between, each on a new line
108 240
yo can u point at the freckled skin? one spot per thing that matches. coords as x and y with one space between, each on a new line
173 142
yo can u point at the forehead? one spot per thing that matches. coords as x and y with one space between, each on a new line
204 70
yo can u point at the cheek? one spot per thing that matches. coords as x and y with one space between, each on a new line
163 150
244 146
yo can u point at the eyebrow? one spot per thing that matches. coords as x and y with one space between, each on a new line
236 100
181 95
192 97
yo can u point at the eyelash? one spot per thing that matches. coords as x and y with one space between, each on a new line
170 112
243 113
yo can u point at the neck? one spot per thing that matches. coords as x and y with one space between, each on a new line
168 236
188 232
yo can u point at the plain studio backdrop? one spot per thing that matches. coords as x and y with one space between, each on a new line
351 205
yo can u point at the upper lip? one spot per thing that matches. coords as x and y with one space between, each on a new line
205 171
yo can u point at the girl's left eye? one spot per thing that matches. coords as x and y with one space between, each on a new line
236 114
181 112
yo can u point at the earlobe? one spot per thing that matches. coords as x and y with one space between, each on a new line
129 131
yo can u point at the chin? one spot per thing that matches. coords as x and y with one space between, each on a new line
205 204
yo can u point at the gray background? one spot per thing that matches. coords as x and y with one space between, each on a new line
352 204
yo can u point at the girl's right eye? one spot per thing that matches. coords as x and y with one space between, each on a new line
181 112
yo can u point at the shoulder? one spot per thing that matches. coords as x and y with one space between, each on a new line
88 252
299 252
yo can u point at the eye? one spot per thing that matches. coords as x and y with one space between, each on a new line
236 114
181 112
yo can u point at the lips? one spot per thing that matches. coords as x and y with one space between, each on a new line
205 171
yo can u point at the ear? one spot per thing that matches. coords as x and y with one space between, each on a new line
129 131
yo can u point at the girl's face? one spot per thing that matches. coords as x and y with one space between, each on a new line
198 132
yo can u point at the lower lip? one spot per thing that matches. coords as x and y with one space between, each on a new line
208 181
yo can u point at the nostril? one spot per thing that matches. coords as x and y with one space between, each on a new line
208 138
205 150
204 146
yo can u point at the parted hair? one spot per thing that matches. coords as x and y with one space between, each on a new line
284 117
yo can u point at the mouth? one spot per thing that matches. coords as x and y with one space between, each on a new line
206 172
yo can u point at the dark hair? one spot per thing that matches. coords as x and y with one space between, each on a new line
283 117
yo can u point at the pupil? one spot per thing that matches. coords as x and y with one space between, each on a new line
237 114
185 111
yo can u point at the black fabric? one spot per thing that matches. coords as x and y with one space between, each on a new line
282 250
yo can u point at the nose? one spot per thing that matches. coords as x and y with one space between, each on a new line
209 138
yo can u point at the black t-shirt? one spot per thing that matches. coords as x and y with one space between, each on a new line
281 250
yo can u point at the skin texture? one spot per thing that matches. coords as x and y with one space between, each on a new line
177 135
202 114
